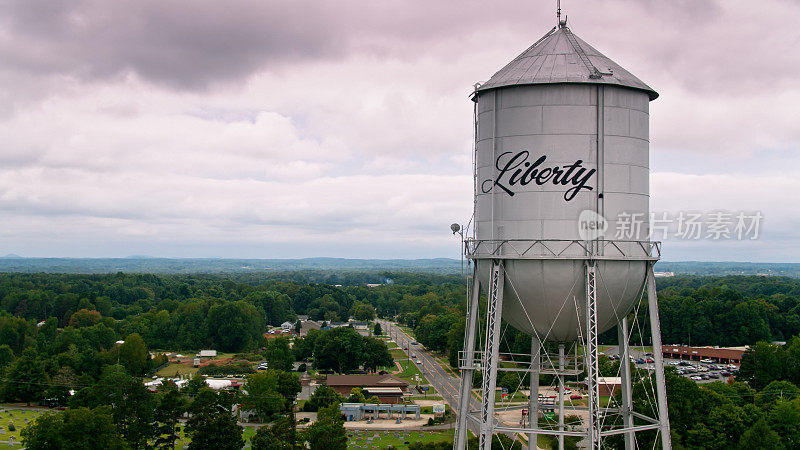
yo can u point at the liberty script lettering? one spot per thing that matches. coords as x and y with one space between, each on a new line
517 169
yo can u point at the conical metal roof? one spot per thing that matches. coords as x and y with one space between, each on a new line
561 57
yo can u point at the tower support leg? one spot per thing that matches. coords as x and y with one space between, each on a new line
561 364
467 371
625 372
591 357
533 399
658 357
491 350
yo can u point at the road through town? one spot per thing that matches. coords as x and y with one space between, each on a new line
447 385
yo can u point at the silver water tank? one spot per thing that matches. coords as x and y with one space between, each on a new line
561 172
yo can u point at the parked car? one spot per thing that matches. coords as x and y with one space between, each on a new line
575 397
640 361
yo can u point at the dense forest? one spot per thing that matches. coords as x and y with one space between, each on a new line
58 331
230 312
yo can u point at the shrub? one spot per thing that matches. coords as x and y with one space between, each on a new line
237 368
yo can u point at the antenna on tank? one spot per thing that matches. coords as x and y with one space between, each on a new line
558 13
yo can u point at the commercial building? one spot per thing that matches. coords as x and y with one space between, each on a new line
388 388
362 411
727 355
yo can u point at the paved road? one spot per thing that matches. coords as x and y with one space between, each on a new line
447 385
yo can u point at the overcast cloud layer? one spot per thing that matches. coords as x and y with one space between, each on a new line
268 129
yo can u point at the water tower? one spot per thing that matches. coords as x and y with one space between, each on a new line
560 244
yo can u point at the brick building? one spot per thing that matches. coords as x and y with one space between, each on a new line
727 355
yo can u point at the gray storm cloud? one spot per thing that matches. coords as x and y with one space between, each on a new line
128 125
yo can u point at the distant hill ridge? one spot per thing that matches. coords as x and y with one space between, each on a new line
149 264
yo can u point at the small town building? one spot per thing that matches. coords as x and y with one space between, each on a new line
363 411
726 355
207 354
609 385
287 326
388 388
307 325
363 328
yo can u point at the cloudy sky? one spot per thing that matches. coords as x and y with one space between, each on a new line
265 129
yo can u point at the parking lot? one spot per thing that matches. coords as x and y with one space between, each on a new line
705 371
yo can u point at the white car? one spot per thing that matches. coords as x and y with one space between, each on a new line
707 361
696 377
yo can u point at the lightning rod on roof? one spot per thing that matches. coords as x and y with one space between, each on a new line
561 23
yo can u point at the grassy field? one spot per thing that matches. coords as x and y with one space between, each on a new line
517 397
170 370
409 370
398 354
185 367
397 439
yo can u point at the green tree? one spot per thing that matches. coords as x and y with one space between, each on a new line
234 326
323 396
25 380
132 405
61 383
455 342
784 419
6 356
432 330
133 355
762 363
339 349
171 405
275 307
760 436
375 354
775 392
84 318
212 424
279 436
356 396
377 330
303 348
328 432
74 428
278 354
262 394
364 312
